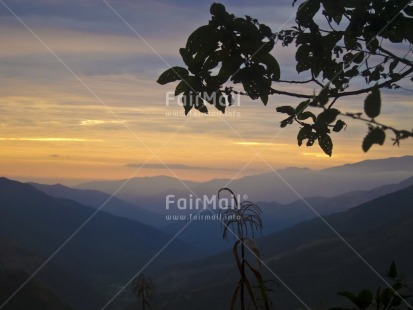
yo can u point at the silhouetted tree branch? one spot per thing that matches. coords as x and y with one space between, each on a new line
362 40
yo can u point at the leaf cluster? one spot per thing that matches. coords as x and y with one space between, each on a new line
389 298
338 45
228 48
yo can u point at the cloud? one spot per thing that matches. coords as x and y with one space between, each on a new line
177 167
255 143
50 139
321 155
92 122
60 156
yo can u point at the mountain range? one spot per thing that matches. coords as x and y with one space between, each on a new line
277 216
197 270
102 255
104 201
277 185
313 260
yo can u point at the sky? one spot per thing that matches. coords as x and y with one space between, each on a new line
79 98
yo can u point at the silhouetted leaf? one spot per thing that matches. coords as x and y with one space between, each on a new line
229 67
334 9
311 139
264 98
386 296
327 116
217 9
272 65
350 42
359 57
323 95
303 58
186 57
325 143
190 83
188 101
392 273
204 40
172 74
375 136
212 61
372 104
304 133
305 115
216 99
306 12
301 107
349 295
181 87
304 38
286 109
200 106
373 45
339 125
287 121
265 30
364 299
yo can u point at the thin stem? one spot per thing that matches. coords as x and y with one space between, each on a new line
372 121
402 60
243 275
332 102
296 82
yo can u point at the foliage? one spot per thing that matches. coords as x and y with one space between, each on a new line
389 298
144 290
243 220
339 46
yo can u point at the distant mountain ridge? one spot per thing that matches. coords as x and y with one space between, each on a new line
366 175
404 163
148 185
104 201
276 216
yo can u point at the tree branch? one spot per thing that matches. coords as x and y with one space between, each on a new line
402 60
381 85
400 134
295 82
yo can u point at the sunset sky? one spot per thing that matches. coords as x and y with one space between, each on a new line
78 97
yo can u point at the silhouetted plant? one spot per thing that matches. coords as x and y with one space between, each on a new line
243 220
389 298
144 290
338 45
